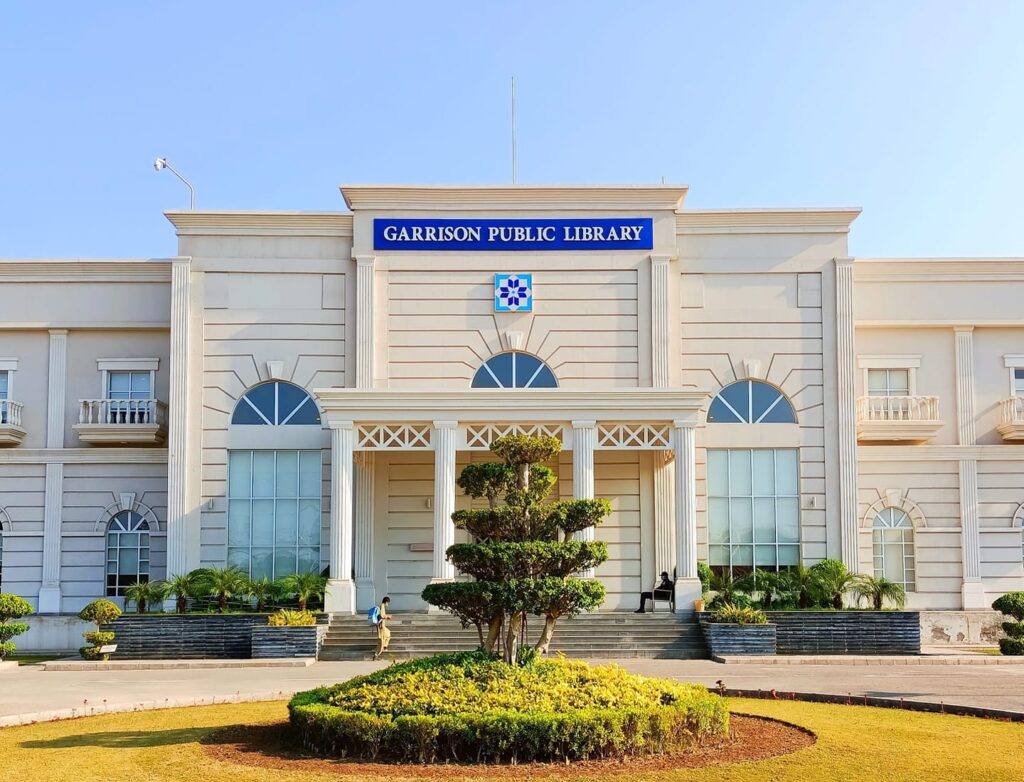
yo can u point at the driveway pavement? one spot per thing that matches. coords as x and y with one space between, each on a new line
30 690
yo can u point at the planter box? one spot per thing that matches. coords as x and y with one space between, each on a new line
184 636
847 632
287 641
729 640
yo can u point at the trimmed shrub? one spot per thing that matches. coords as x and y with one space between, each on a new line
1014 629
705 575
286 618
473 707
11 607
1011 604
1011 646
736 615
102 612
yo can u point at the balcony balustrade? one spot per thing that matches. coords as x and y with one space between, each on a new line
11 430
122 421
1012 426
903 419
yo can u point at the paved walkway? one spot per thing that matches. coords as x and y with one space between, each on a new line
30 690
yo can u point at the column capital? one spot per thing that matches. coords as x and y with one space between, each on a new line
58 332
584 424
662 258
342 425
963 329
362 259
844 261
444 424
684 423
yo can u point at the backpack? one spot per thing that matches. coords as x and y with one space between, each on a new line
373 616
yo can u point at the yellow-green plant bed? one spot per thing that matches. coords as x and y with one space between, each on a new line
475 708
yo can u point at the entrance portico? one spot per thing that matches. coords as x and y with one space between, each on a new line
365 422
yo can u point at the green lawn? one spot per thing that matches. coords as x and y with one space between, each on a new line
855 744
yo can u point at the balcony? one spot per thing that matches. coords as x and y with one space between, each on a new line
11 431
1012 427
122 421
897 419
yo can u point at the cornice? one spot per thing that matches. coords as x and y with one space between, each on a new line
939 270
260 223
487 198
941 453
756 221
85 270
475 405
83 456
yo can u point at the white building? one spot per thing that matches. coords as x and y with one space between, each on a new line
299 390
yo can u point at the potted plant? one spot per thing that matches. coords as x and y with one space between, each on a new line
101 612
11 607
735 630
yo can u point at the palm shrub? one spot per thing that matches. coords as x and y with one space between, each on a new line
768 585
11 607
1012 604
222 583
802 582
525 560
877 589
831 582
264 591
183 587
144 594
305 587
728 591
100 612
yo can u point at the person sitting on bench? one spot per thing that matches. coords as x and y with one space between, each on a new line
663 591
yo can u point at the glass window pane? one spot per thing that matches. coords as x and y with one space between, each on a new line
742 520
239 557
544 379
738 397
305 414
310 474
718 473
287 473
764 473
501 368
284 562
483 379
763 396
742 555
286 523
309 523
789 555
523 365
739 473
787 519
263 398
263 474
128 561
786 472
765 556
764 520
1018 382
263 563
239 473
118 385
245 415
782 413
3 385
239 522
877 382
309 560
262 522
718 555
718 520
899 382
140 385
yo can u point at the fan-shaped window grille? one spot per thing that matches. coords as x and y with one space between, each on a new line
276 403
751 402
514 369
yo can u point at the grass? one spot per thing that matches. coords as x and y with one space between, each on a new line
31 659
854 743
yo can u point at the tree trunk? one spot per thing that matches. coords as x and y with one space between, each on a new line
523 479
515 623
140 605
182 604
545 635
222 602
877 600
480 633
302 604
837 601
493 631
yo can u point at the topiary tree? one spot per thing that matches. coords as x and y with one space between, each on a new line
11 607
1012 604
525 560
101 612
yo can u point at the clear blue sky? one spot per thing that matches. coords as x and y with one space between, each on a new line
912 110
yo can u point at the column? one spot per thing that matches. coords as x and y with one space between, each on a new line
972 590
664 513
53 497
340 598
660 321
177 421
363 549
444 498
584 441
364 321
684 444
847 414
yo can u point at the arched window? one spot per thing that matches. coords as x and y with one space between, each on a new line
751 402
892 539
127 552
276 403
514 369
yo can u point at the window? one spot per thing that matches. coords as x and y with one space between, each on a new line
276 403
129 385
888 382
4 389
751 402
1018 382
127 552
4 380
892 539
514 369
274 512
753 509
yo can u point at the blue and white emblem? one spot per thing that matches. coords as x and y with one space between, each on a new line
513 293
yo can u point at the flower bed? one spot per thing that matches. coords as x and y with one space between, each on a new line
470 707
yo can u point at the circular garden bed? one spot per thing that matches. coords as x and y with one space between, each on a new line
473 708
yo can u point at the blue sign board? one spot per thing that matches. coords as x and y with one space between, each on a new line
598 233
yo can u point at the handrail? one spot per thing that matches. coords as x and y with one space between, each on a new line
10 412
898 408
122 411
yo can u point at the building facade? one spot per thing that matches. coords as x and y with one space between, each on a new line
298 391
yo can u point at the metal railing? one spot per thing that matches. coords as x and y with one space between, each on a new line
10 412
122 411
898 408
1013 410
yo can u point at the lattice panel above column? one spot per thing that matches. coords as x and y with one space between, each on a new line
385 437
647 436
480 436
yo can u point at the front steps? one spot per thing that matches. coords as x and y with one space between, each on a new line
600 635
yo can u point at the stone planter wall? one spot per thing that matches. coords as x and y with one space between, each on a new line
729 640
185 636
847 632
287 641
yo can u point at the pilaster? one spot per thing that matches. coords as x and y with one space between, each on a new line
847 415
664 513
970 539
965 384
584 442
364 320
177 421
340 597
363 548
53 487
444 497
57 381
684 445
660 321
